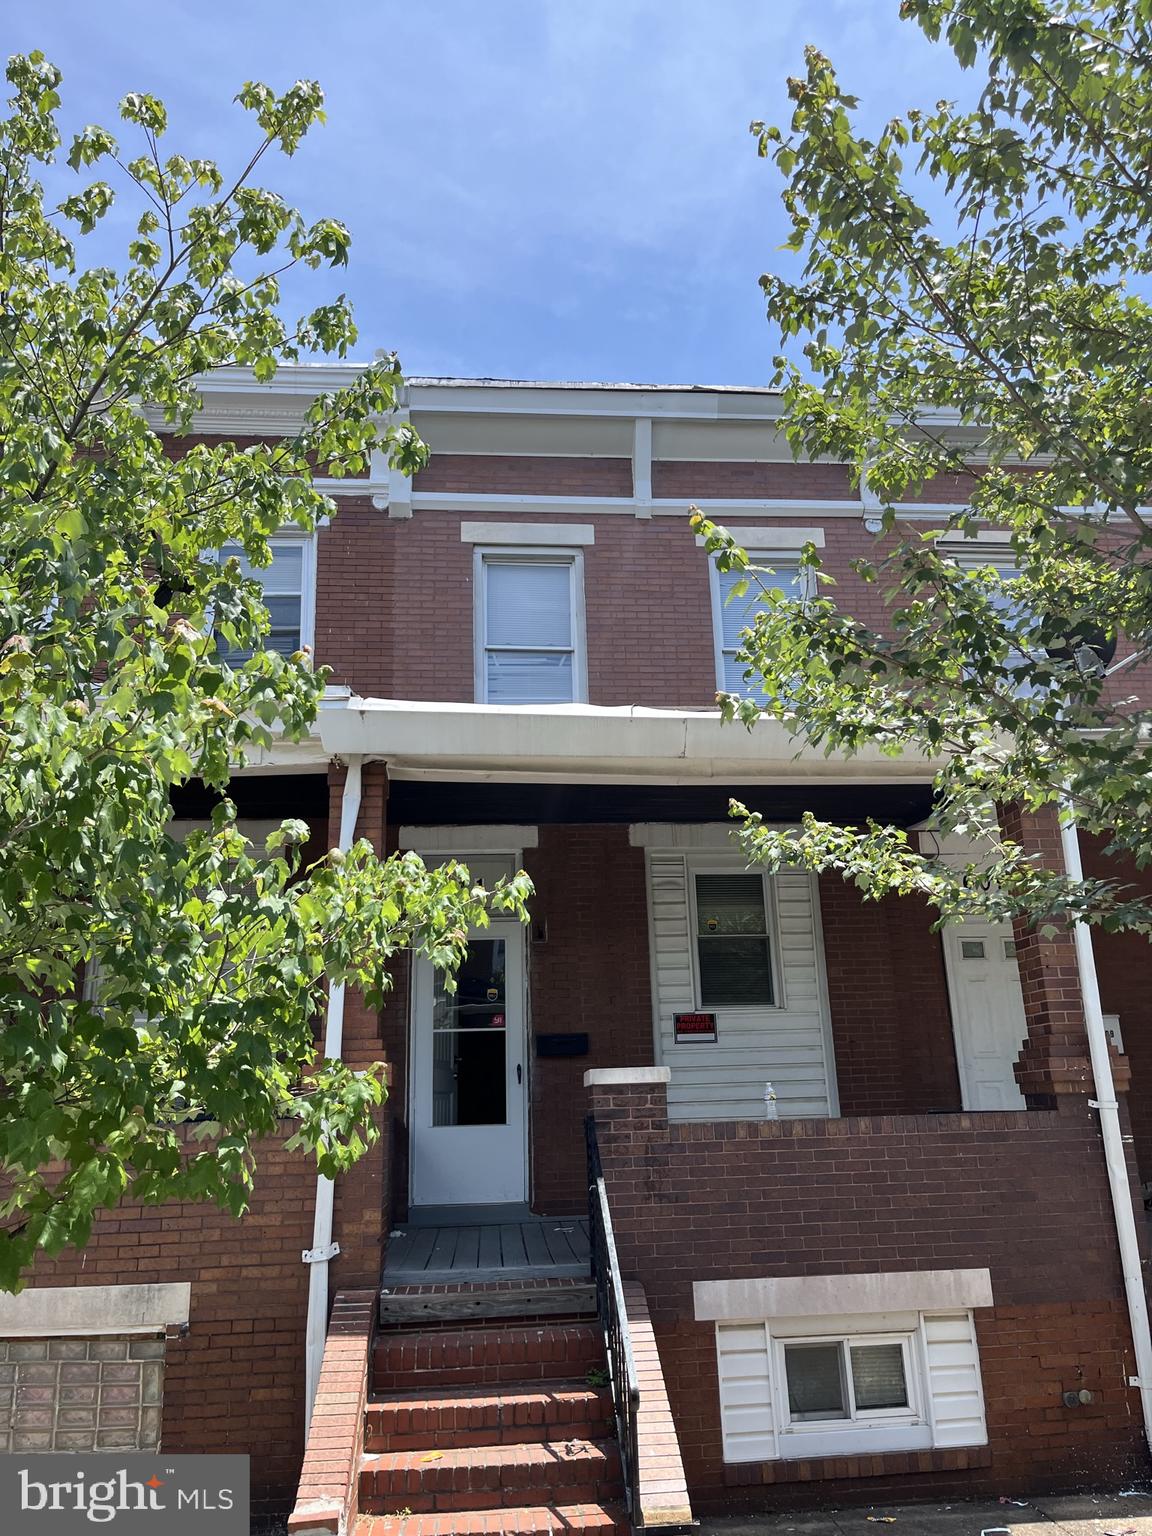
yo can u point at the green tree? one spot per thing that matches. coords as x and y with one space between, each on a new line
209 959
972 299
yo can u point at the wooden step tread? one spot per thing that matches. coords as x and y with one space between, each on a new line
540 1520
441 1360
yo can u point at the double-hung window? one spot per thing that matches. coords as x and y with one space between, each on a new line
782 573
289 593
733 944
529 627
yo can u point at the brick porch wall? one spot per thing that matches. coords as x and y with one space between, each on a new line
235 1382
1022 1193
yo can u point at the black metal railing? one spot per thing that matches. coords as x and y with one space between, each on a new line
614 1321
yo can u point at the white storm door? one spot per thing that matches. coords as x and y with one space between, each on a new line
987 1012
469 1076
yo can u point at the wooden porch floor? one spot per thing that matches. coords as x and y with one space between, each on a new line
540 1247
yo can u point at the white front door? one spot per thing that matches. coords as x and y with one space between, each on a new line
469 1076
987 1012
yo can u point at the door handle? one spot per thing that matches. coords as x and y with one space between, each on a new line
519 1073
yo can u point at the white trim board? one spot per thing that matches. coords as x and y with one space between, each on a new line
51 1310
923 1290
473 839
763 540
558 535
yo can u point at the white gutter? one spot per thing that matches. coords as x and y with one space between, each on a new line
1114 1158
568 739
323 1249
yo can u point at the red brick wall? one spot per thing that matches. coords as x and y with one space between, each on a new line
708 479
236 1381
394 603
1023 1194
888 997
591 976
526 474
1123 967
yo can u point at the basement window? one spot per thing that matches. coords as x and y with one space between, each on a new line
847 1381
868 1383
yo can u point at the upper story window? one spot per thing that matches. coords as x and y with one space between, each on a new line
289 585
529 627
730 615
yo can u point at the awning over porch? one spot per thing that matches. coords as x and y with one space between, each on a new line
590 743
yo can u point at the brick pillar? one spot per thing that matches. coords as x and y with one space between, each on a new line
363 1194
1054 1059
630 1108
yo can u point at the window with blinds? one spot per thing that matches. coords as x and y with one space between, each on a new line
285 584
847 1380
784 574
529 630
733 947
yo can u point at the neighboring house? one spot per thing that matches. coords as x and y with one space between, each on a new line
899 1277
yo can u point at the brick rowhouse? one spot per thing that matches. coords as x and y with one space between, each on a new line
897 1173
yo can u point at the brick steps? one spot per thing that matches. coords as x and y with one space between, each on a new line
444 1359
480 1415
605 1519
482 1477
486 1429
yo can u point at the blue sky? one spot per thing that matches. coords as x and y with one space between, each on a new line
559 189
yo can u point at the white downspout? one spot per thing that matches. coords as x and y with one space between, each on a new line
323 1249
1109 1111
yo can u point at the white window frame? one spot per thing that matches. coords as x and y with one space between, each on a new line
912 1416
758 556
307 542
873 1432
485 555
772 929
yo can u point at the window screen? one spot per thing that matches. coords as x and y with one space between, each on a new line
283 584
732 941
529 632
737 613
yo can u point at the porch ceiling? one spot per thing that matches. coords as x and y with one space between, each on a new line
432 802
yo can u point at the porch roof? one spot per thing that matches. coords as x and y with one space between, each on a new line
590 743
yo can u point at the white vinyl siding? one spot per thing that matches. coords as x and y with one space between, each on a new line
529 628
730 615
943 1408
785 1043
